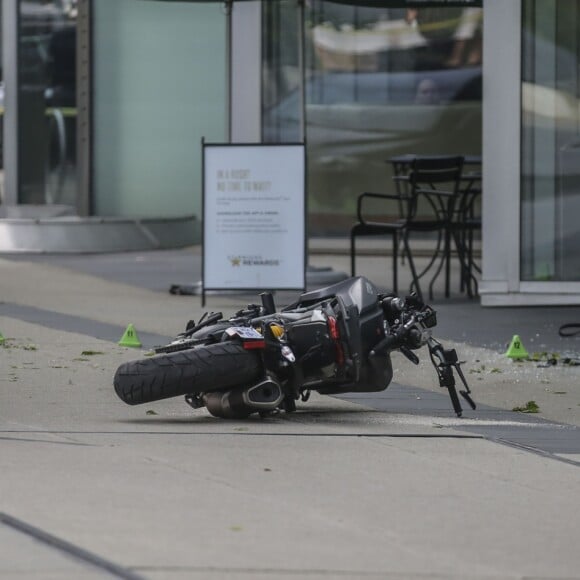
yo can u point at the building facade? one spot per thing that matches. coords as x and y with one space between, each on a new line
531 236
105 103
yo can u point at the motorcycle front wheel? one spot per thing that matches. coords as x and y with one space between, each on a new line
215 367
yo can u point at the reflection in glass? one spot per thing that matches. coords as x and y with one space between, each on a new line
550 238
280 73
47 102
379 82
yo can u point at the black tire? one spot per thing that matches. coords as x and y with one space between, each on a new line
215 367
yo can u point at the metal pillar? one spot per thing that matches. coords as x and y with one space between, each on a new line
84 108
10 51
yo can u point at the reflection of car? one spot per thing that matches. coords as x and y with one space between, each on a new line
362 89
355 122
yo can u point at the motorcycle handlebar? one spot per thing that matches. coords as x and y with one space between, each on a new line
408 318
390 342
407 335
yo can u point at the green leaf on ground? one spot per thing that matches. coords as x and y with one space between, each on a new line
529 407
91 352
151 412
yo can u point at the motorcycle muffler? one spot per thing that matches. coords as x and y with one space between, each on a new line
265 396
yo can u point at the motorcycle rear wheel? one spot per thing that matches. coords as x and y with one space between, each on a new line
215 367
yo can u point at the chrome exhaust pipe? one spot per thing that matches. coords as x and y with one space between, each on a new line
265 396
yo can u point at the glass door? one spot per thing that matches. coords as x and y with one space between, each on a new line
550 204
47 102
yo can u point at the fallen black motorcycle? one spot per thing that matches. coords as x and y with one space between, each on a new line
333 340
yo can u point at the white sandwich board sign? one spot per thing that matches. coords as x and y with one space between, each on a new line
254 217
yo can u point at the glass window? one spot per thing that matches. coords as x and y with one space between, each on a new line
550 228
281 96
47 102
379 82
159 87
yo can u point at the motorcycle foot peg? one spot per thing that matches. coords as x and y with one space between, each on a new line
194 401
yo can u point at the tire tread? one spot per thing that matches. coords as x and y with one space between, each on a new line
208 368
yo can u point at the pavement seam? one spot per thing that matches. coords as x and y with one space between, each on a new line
67 548
28 440
331 573
263 434
534 450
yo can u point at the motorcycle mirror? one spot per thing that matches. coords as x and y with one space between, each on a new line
268 302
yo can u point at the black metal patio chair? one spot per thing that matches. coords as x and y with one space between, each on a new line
436 181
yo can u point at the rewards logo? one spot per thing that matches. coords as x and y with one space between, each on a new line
238 261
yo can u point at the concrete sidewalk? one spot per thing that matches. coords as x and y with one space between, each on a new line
392 486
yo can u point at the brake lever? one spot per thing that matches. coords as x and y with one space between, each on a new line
409 354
